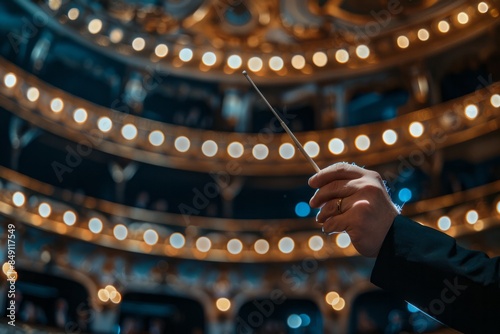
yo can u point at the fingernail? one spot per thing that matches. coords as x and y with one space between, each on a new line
317 215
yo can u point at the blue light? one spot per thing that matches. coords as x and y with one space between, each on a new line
294 321
306 320
404 195
411 308
302 209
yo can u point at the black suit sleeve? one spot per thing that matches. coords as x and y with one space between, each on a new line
458 287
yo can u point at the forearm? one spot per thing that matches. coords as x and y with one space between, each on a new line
428 269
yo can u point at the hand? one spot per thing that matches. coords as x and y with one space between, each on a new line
367 211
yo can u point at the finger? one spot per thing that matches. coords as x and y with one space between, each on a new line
336 224
334 189
331 209
338 171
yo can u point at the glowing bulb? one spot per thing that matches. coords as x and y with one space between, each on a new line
234 246
276 63
423 35
103 295
56 105
294 321
495 100
255 64
362 51
462 18
209 148
10 80
311 148
320 59
150 237
286 245
403 42
120 232
342 56
416 129
115 297
389 137
32 94
471 111
203 244
223 304
116 35
182 144
18 199
104 124
315 243
95 25
186 54
336 146
80 115
209 58
339 305
444 223
177 240
95 225
443 26
235 149
343 240
287 151
234 62
73 14
69 218
471 217
482 7
298 62
498 206
261 246
362 142
138 44
44 210
161 50
332 297
129 131
55 4
260 151
156 138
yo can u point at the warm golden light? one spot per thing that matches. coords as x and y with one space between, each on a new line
320 59
156 138
95 225
235 149
56 105
223 304
209 58
138 44
462 18
286 245
95 25
362 51
203 244
209 148
32 94
103 295
472 217
298 62
120 232
10 80
129 131
55 4
161 50
471 111
287 151
186 54
116 35
443 26
234 246
104 124
362 142
115 297
403 42
390 137
44 210
332 297
311 148
182 144
260 151
255 64
80 115
150 237
343 240
339 305
315 243
423 35
416 129
336 146
73 14
482 7
444 223
69 218
177 240
261 246
276 63
498 207
495 100
18 199
342 56
234 62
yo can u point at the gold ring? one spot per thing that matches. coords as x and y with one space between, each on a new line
339 205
